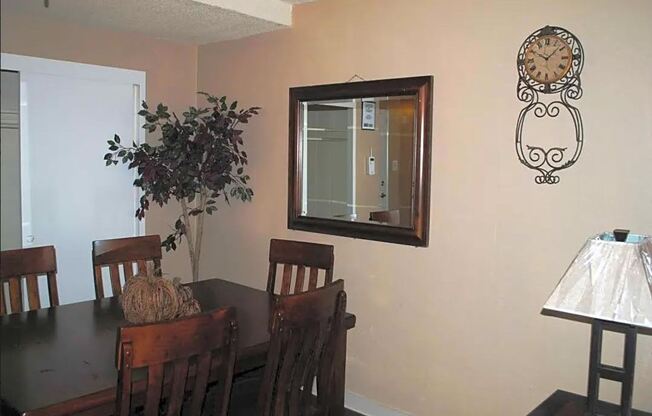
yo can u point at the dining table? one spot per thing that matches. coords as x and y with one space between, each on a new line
61 360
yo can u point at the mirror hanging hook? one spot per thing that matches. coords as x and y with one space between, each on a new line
354 77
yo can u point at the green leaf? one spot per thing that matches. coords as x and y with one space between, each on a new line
116 138
144 105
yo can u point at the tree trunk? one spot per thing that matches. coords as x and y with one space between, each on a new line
194 244
199 234
188 234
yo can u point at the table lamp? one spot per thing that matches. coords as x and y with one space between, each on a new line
609 283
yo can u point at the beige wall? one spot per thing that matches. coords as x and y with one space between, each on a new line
455 329
171 77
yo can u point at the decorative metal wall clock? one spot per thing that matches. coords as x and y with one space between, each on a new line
549 62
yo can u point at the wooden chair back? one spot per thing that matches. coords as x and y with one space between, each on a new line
392 217
27 264
306 329
178 357
125 252
302 255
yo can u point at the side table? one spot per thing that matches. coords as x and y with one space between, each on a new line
563 403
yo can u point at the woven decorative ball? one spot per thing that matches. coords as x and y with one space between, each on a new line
147 299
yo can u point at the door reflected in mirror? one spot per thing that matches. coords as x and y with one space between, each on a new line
358 159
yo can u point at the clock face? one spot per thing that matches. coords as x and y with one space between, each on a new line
547 59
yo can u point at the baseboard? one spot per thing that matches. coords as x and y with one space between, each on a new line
367 407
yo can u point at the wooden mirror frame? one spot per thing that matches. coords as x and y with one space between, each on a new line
417 234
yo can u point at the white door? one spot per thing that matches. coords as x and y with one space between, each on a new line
69 197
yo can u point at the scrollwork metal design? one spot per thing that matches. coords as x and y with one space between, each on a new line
550 161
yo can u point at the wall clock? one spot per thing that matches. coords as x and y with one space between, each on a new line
549 65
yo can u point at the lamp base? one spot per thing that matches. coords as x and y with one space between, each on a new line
597 370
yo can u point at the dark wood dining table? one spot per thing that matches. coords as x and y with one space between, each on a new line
61 360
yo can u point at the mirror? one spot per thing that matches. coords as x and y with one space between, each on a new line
360 159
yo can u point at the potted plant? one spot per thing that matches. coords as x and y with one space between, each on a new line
198 160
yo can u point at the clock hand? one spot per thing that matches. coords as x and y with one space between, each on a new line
553 52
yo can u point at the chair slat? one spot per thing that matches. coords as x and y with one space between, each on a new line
223 393
3 309
312 282
157 267
328 279
15 295
154 389
271 277
142 267
99 284
114 275
266 395
33 299
287 279
128 267
303 255
286 370
201 381
304 361
52 289
123 403
179 375
298 283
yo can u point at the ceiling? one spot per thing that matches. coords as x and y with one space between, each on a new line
194 21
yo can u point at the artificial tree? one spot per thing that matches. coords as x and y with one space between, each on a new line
198 160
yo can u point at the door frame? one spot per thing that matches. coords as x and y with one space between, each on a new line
137 79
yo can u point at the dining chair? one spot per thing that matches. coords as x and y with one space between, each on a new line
391 217
124 252
178 357
306 329
27 264
300 254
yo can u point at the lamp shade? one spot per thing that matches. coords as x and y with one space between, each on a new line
608 280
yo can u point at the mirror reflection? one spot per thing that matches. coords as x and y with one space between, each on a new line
358 159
